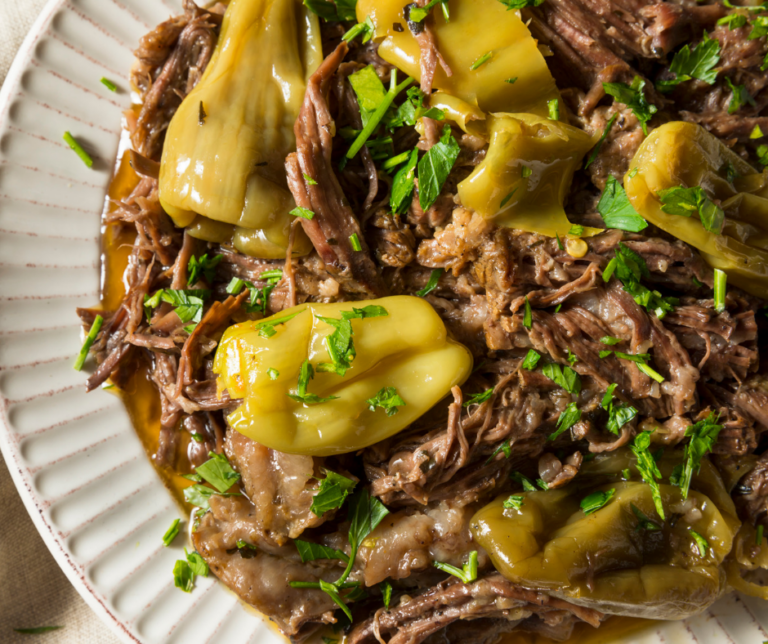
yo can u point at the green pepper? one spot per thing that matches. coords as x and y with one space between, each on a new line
476 28
406 349
684 154
526 174
226 145
622 558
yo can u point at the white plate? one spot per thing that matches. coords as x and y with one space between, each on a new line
76 461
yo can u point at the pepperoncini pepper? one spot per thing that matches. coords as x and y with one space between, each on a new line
404 347
684 154
526 174
222 171
622 558
476 28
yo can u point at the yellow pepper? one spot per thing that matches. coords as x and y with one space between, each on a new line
225 149
476 28
603 560
685 154
526 174
408 349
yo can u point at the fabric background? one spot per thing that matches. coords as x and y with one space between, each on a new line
34 591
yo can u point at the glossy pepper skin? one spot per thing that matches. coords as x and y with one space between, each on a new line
222 171
408 349
521 143
476 28
685 154
603 560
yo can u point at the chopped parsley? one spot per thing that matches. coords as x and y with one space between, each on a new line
185 571
504 447
619 414
703 436
633 97
759 27
739 97
699 62
593 502
568 418
686 201
108 84
306 373
304 213
339 11
531 360
435 166
200 496
88 343
266 328
418 14
386 593
332 492
523 480
648 468
566 377
467 573
339 344
644 523
479 399
553 107
205 266
721 278
78 149
520 4
273 374
756 133
218 472
365 29
354 241
527 315
481 61
596 150
607 339
171 533
514 502
431 285
388 399
617 211
309 180
403 185
702 545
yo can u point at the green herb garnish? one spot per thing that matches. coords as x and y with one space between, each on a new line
467 573
88 343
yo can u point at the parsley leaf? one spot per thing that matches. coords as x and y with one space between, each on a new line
699 62
333 491
431 285
312 551
478 399
568 418
266 328
468 571
630 268
759 27
733 20
739 97
388 399
566 377
504 447
527 315
197 564
204 266
703 436
593 502
218 472
418 14
188 304
200 496
370 91
617 211
531 360
365 29
435 166
610 340
633 97
340 11
686 201
648 468
306 374
403 185
304 213
183 577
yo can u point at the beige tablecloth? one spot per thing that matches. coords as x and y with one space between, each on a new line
33 590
